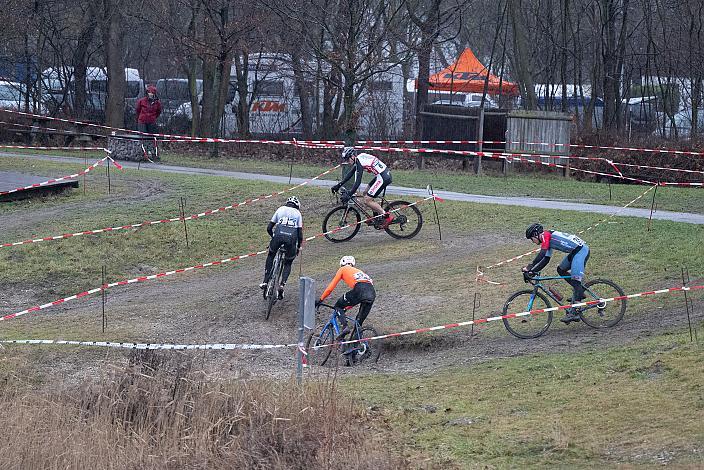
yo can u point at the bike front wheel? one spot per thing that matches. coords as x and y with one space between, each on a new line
530 325
603 314
319 346
343 223
407 222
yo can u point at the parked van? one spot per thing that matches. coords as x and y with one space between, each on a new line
10 95
174 92
275 106
467 100
59 90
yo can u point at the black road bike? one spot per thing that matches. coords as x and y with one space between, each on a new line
271 292
344 221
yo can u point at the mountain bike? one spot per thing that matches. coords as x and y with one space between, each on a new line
271 292
597 314
322 343
344 221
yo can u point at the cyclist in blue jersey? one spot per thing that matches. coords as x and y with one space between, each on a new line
572 265
285 229
382 178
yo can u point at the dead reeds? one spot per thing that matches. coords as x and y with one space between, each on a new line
159 411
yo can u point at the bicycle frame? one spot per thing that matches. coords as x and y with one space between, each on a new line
363 207
536 282
332 322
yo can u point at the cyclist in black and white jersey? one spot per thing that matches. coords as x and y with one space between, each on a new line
285 229
382 178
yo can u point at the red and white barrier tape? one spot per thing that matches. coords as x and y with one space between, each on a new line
164 221
181 138
449 326
524 158
68 177
30 147
125 282
544 144
480 274
186 138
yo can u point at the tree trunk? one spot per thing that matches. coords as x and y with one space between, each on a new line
80 61
241 61
303 91
423 81
114 50
520 56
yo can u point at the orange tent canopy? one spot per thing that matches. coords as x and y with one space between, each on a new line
467 75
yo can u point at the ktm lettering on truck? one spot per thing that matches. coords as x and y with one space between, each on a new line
268 106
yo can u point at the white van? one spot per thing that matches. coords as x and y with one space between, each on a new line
59 89
10 95
467 100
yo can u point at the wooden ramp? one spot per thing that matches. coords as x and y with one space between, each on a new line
10 180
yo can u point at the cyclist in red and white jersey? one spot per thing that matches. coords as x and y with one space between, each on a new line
382 178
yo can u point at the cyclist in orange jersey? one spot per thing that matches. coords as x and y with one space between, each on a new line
362 293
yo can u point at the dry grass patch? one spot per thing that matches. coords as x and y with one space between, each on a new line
161 411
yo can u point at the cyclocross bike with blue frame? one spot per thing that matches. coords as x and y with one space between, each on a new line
271 292
598 315
321 344
343 222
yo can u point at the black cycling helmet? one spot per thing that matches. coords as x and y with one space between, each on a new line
534 230
348 152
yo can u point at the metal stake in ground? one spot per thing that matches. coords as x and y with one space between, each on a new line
475 306
685 280
104 292
107 169
182 212
306 319
85 159
652 206
437 217
293 154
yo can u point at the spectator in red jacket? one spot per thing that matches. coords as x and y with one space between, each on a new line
148 110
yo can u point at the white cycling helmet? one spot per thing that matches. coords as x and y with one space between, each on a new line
293 201
348 152
347 260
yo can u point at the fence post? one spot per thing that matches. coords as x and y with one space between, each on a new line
480 144
306 320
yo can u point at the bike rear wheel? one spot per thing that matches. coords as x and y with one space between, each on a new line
342 222
527 326
272 288
604 314
407 220
368 351
324 339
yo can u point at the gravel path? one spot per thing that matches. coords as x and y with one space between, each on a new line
450 195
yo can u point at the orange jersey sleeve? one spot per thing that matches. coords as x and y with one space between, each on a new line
350 275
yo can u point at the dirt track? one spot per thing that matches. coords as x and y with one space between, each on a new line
223 304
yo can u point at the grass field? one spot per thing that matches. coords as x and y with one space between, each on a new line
636 403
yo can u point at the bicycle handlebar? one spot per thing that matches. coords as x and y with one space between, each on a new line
529 279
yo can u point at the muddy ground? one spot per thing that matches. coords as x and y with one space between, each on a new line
223 304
